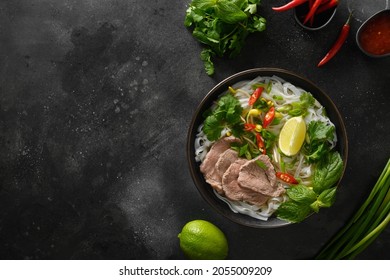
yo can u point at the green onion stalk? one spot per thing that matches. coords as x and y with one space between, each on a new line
365 226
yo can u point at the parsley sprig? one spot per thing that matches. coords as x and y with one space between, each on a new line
222 25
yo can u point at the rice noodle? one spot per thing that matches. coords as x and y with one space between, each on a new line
295 165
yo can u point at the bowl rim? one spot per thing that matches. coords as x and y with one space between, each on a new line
212 95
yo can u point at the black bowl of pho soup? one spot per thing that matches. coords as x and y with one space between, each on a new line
215 198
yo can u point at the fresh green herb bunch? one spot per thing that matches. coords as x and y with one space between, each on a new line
223 26
304 200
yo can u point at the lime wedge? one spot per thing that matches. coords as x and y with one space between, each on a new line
292 136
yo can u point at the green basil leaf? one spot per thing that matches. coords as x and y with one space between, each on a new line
302 194
327 172
239 3
293 211
228 12
315 206
203 4
327 197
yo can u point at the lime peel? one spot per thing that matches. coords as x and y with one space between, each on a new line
202 240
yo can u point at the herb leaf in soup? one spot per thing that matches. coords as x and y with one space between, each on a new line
327 172
327 197
302 194
226 115
317 137
293 211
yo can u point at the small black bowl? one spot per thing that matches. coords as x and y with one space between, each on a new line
204 188
384 14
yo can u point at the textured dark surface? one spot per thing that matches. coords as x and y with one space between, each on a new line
96 99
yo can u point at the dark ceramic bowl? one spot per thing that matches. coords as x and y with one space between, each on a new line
204 188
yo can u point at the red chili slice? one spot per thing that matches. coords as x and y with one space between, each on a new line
255 95
286 178
260 143
249 126
269 117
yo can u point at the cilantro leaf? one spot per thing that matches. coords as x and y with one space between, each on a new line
306 100
252 8
223 26
320 131
317 146
227 114
258 24
212 128
205 55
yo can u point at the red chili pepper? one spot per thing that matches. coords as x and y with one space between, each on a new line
255 95
339 42
289 5
286 178
312 10
311 2
249 126
260 143
269 117
326 6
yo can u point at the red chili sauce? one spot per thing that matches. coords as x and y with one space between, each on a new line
375 36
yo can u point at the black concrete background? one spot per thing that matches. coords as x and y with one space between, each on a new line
96 100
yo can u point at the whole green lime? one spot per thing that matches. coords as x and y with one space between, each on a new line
202 240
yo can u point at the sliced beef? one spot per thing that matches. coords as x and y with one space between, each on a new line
259 179
234 191
239 179
225 160
212 167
